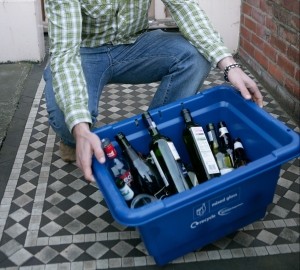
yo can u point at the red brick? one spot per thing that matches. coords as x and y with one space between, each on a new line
297 74
246 9
261 31
257 42
286 65
270 52
248 47
292 86
288 35
276 73
291 5
258 16
278 43
245 33
266 7
270 24
279 2
250 24
293 54
295 23
261 59
254 3
243 19
282 15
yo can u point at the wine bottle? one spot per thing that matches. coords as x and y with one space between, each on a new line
225 140
167 159
127 193
117 166
223 158
239 153
198 149
142 170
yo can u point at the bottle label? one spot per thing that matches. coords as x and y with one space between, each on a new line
159 168
127 193
238 145
226 170
222 131
174 151
210 136
126 177
110 151
204 150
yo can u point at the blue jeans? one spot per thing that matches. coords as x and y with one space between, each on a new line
155 56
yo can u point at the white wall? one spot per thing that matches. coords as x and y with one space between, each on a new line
224 15
21 31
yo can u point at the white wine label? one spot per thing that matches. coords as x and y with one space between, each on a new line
204 150
210 136
159 168
226 170
173 150
238 145
223 130
127 193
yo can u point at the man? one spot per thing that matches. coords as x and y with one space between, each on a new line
96 42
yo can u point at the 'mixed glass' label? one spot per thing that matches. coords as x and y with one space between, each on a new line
221 205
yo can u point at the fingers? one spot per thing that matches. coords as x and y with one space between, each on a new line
246 86
87 144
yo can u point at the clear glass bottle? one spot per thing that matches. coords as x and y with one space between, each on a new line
201 156
239 153
143 170
225 140
223 158
167 159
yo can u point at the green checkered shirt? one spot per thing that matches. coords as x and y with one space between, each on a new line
92 23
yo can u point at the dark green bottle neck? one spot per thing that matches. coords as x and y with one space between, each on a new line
153 131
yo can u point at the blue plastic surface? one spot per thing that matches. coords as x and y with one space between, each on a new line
184 222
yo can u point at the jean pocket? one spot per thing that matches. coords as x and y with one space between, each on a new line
98 9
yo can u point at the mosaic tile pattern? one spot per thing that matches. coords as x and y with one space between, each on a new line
51 218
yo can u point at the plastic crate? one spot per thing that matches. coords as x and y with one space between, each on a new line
189 220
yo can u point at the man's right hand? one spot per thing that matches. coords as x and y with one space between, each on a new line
87 144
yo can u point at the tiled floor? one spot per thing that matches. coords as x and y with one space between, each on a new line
51 218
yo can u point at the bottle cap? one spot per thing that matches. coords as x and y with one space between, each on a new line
105 142
120 135
210 126
142 199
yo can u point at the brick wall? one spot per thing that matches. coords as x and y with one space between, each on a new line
269 44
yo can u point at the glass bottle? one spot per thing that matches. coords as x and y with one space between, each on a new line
239 153
167 159
117 166
142 170
225 140
201 156
223 158
127 193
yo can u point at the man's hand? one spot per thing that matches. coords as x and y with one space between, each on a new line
242 82
87 144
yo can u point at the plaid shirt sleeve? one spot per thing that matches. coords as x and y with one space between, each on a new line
197 28
64 28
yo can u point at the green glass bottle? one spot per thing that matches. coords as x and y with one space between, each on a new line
143 171
201 156
167 159
222 157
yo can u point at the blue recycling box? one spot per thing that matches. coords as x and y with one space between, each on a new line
186 221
